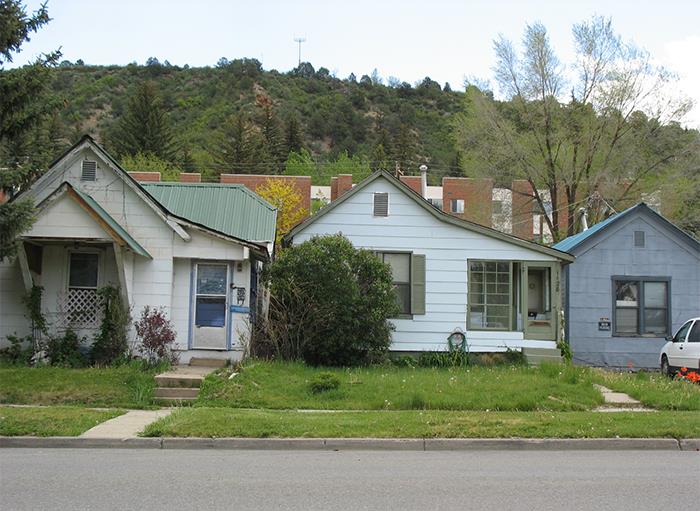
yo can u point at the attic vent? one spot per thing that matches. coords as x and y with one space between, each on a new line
639 240
381 204
89 170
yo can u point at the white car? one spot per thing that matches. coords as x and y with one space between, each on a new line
683 349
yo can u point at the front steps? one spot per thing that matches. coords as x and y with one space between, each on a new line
182 383
535 356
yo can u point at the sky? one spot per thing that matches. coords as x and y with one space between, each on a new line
444 39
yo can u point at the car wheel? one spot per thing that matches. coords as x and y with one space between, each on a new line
665 368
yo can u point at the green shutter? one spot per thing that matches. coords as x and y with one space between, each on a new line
417 284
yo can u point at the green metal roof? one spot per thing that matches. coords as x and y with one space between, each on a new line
230 209
112 223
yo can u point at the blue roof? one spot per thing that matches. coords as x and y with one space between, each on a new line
568 244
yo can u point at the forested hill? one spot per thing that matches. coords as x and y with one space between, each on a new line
374 121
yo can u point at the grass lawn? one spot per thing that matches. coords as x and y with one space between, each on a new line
280 385
51 421
654 389
226 422
128 386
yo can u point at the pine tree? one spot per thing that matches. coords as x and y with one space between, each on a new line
273 151
238 149
23 106
293 135
144 128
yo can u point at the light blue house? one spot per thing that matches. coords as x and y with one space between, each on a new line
636 279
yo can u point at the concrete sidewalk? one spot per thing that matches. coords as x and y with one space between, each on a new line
128 425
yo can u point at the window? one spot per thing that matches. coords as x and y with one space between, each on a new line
401 270
210 306
682 332
436 203
81 304
490 295
641 307
695 333
457 205
89 170
381 204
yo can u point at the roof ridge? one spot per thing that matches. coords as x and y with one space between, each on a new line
237 186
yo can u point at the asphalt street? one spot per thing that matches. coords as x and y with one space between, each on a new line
102 479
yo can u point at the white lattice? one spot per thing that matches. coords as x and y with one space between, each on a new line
81 307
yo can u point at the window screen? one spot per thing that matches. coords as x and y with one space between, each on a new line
210 306
83 270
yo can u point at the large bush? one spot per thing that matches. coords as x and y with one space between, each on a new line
329 304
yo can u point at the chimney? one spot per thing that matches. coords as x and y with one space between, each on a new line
424 181
584 218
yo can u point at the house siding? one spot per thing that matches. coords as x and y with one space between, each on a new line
408 227
590 292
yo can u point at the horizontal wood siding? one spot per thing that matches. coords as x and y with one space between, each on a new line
446 248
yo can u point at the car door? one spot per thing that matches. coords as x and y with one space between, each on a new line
677 348
691 347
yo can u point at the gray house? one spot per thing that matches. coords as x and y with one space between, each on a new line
635 280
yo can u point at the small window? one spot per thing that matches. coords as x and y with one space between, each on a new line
641 307
89 171
83 270
639 240
457 206
381 204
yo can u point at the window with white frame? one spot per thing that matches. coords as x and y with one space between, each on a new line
490 295
401 271
210 295
457 205
641 306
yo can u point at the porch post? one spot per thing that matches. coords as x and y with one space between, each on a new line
119 259
24 266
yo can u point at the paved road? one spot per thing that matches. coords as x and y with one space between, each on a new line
97 479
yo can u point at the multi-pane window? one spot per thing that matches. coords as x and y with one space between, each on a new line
641 307
401 271
490 295
457 206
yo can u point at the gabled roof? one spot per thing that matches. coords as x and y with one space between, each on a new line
575 241
439 214
231 209
109 224
174 220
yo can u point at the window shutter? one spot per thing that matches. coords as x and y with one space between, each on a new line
417 284
381 204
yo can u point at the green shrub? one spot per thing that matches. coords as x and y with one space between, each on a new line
19 352
324 382
110 344
330 305
453 358
65 350
405 361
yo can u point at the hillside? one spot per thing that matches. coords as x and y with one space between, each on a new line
335 115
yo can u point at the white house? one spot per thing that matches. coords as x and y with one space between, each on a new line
194 249
450 274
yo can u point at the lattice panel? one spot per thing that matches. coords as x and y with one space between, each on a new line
81 307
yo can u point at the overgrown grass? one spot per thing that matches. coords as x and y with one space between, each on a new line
280 385
653 389
127 386
51 421
225 422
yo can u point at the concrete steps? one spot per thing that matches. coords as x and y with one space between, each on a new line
536 356
182 383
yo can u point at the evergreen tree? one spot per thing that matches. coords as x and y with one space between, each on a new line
293 135
238 148
144 128
23 107
273 151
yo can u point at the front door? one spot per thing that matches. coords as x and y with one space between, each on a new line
210 306
539 281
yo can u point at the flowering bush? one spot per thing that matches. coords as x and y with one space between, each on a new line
686 375
157 336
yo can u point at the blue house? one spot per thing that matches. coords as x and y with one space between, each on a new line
635 280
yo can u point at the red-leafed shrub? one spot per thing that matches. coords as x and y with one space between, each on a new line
157 336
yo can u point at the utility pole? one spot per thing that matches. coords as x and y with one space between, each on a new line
299 40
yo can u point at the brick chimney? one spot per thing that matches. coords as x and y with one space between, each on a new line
190 177
146 177
344 184
413 182
523 206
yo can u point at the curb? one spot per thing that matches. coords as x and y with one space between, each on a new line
359 444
